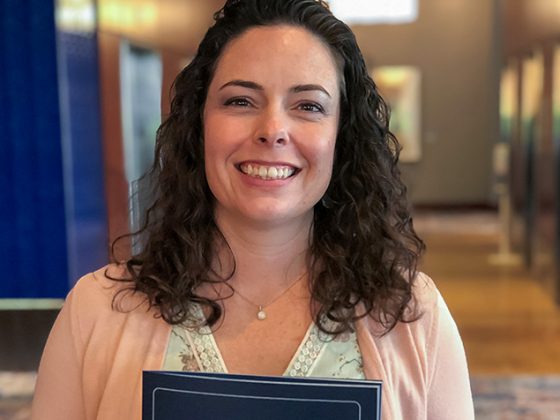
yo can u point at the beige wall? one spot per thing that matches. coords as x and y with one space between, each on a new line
454 44
528 23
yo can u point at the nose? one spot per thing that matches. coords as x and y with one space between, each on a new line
273 128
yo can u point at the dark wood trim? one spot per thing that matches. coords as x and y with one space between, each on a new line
455 207
116 185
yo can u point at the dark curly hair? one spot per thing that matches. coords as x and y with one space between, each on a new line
363 247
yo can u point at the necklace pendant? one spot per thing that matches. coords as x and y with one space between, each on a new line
261 314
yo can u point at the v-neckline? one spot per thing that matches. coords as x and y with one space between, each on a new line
208 353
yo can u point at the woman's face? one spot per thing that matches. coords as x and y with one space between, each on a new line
270 125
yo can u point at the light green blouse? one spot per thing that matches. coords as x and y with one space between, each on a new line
319 355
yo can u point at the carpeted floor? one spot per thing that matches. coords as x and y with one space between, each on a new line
495 397
16 390
517 397
15 409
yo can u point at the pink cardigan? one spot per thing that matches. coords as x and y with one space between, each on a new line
92 364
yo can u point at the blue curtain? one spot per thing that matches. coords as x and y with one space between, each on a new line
53 225
32 219
86 219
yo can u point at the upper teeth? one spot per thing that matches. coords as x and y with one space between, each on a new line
267 172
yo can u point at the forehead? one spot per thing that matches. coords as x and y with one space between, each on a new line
278 52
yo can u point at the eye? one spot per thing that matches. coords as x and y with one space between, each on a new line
311 107
238 101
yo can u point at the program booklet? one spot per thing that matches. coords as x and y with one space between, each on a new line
170 395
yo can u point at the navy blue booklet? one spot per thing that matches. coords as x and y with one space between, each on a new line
210 396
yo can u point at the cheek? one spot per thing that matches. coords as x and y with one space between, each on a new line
322 154
212 158
223 134
320 157
215 145
328 160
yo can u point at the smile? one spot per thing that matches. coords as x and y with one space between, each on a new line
267 172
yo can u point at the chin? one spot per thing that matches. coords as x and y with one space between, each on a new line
275 215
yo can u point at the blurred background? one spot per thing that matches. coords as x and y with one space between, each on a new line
474 86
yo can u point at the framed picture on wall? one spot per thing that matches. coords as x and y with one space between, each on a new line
400 87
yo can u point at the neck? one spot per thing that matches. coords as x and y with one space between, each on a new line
267 257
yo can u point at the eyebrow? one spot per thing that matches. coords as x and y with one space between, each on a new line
255 86
243 83
305 88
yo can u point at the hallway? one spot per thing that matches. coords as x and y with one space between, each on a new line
508 323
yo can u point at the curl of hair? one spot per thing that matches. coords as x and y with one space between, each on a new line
363 246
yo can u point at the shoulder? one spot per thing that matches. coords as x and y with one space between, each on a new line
420 311
100 290
427 313
428 325
103 299
104 336
439 349
434 321
104 284
427 333
426 295
420 360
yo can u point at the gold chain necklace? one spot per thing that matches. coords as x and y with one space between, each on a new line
261 314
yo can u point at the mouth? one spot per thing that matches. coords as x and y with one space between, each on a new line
267 172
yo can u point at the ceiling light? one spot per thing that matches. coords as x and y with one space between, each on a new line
375 11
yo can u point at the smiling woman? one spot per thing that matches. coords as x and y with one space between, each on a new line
279 218
270 124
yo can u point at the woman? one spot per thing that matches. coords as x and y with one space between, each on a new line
279 241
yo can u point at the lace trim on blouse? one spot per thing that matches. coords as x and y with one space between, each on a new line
195 350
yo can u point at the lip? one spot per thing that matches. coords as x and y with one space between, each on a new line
266 163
